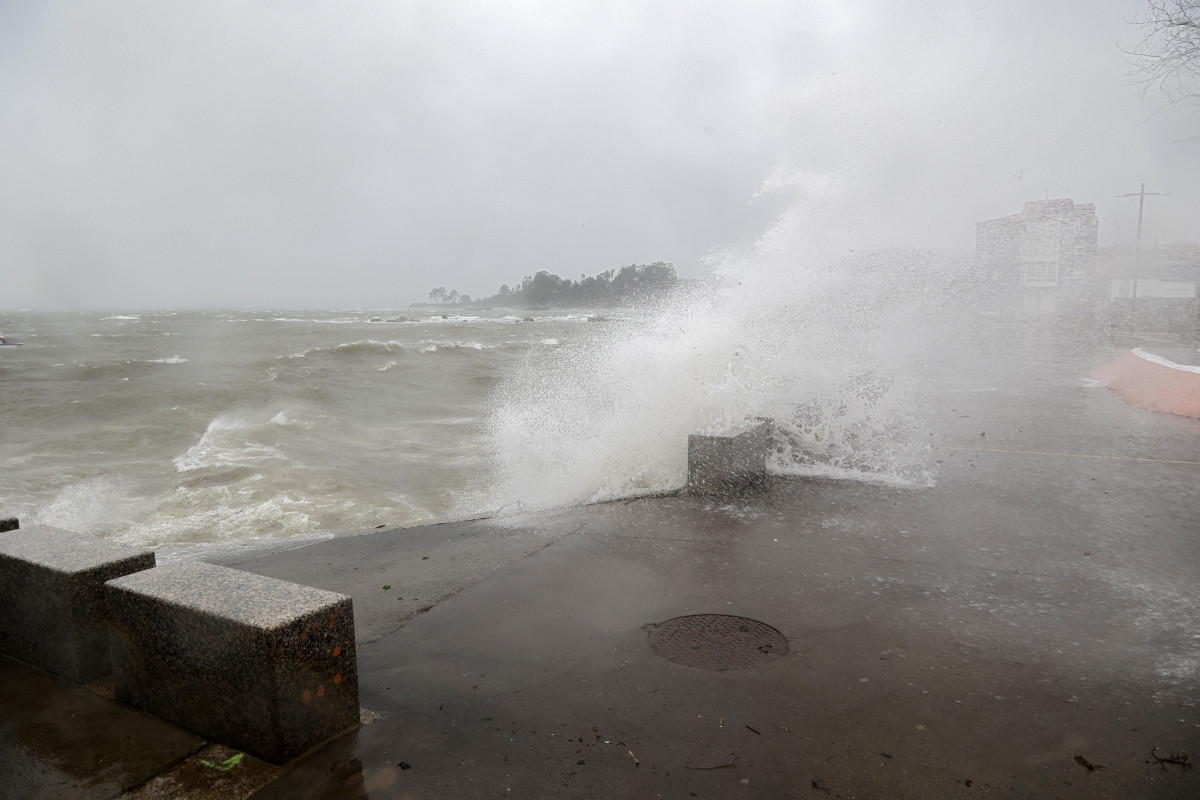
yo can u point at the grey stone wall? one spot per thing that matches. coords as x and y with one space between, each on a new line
260 664
51 598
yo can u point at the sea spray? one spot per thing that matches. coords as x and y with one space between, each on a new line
831 346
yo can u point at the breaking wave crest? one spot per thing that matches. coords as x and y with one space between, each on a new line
372 347
242 439
830 347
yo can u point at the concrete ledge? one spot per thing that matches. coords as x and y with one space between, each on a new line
729 464
9 524
52 601
1150 381
259 664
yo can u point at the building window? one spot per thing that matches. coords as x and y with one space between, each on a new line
1039 274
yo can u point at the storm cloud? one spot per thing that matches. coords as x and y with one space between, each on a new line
317 154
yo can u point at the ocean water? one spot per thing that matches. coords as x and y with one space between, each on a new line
175 428
185 429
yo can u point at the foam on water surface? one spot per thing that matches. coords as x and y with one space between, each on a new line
224 438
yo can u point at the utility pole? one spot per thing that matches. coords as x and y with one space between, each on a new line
1137 252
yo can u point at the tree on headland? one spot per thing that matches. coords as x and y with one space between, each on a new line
633 284
1168 56
439 295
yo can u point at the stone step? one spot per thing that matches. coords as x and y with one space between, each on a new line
52 598
263 665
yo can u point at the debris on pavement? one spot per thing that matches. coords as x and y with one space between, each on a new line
1174 758
227 764
731 765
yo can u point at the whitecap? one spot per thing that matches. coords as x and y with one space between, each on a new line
229 442
365 347
431 346
96 505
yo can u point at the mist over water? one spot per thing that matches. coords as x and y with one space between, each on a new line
573 137
833 346
202 428
179 429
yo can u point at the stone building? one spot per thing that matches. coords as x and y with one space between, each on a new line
1049 244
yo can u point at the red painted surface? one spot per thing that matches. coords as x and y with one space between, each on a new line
1152 385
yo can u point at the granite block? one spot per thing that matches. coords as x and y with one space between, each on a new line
732 463
259 664
9 524
52 598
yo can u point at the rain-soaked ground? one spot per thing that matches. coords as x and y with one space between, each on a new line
1024 628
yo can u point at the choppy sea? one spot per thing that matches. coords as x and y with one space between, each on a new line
190 429
173 428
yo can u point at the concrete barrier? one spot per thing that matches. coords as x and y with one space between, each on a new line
732 463
52 598
256 663
9 524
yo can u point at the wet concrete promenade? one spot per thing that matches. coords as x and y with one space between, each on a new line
1026 627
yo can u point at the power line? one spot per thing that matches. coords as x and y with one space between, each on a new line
1141 195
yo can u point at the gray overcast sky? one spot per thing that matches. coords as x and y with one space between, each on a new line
281 154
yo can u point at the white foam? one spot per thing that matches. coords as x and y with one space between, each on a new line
221 513
431 346
229 441
827 347
96 505
365 346
316 320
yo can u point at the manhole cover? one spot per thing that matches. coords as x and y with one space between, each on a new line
717 641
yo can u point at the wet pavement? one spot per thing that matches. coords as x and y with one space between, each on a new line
1026 627
62 740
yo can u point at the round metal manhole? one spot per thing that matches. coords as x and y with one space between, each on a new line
717 641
